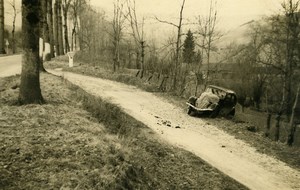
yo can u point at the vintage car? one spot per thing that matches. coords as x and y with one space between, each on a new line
214 101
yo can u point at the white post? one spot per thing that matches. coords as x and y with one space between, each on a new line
71 56
7 44
41 45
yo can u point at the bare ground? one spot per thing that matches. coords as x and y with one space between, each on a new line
231 156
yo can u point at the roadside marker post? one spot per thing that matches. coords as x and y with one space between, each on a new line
71 56
7 44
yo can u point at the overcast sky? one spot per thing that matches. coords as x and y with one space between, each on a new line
232 13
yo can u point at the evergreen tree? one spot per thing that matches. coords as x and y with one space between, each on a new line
189 48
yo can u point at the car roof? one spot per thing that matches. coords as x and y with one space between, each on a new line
221 88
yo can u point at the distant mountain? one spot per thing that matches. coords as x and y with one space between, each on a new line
237 35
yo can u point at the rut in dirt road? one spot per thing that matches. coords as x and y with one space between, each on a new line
231 156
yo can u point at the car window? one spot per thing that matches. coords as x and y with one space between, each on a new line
222 94
208 90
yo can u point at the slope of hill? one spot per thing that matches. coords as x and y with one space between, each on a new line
237 35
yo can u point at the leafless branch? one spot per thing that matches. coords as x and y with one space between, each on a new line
166 22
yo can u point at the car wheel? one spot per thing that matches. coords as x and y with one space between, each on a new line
215 112
231 114
190 111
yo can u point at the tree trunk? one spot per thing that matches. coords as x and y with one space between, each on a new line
50 26
77 4
137 61
281 109
2 45
80 40
116 58
163 87
292 124
292 45
30 91
268 127
13 45
13 36
288 80
55 28
277 127
44 35
269 117
143 58
73 45
208 64
67 46
60 28
178 46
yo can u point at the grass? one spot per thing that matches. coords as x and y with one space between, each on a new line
237 127
78 141
123 76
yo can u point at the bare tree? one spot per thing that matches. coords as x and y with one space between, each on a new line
45 33
291 32
209 34
76 8
14 14
2 45
60 27
291 9
55 28
93 33
30 91
292 124
178 43
50 26
44 46
117 26
275 42
58 36
137 33
65 7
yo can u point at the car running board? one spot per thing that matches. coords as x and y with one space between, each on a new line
199 109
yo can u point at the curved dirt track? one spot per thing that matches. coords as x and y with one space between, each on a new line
231 156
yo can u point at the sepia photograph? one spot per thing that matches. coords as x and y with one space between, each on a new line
150 95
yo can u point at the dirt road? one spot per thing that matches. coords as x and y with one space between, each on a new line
10 65
231 156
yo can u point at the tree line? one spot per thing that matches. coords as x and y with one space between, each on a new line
44 35
269 63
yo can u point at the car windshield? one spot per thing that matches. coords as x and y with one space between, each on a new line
220 93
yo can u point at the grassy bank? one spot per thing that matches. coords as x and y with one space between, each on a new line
77 141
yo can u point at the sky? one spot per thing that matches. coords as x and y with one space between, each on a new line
8 17
231 13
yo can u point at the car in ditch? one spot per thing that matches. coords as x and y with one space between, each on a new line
214 101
